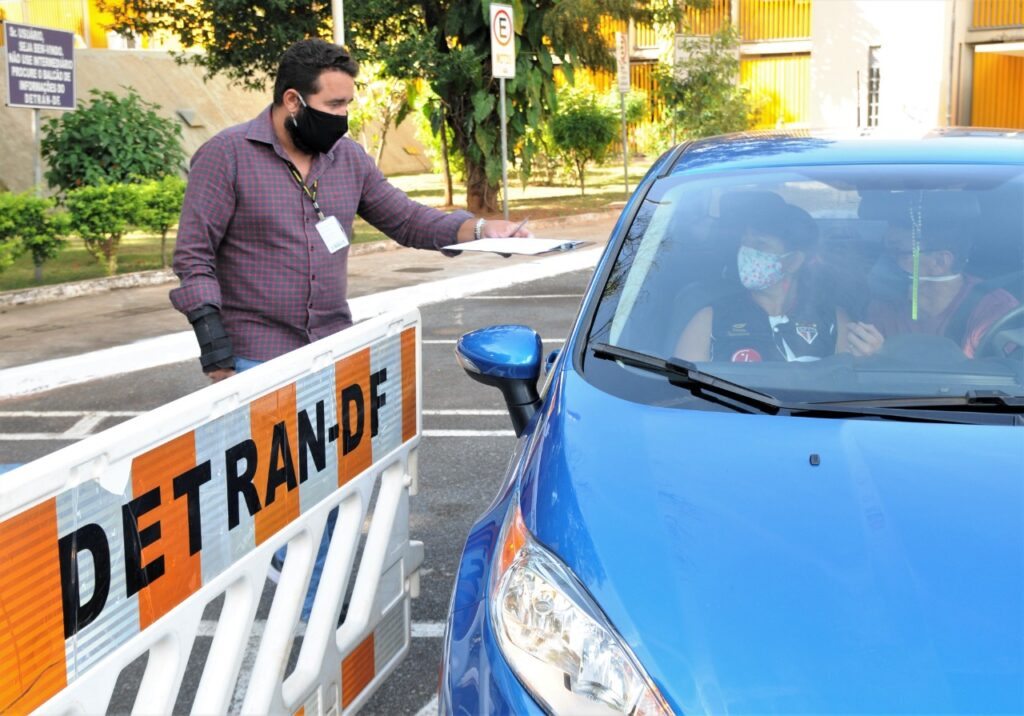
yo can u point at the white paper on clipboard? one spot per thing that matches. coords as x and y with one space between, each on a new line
525 247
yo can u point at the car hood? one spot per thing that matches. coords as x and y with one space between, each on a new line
887 578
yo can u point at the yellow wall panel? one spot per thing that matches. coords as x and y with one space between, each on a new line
707 21
774 19
997 98
64 15
997 13
779 86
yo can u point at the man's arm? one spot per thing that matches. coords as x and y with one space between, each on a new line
412 224
205 215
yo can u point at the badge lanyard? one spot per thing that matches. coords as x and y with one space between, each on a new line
310 193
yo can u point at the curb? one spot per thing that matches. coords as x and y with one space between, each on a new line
73 289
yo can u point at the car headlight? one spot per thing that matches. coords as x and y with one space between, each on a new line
557 640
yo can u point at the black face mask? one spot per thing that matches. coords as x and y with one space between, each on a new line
315 131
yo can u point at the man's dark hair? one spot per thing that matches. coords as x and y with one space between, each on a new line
302 63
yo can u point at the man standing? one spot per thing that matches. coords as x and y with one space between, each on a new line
262 249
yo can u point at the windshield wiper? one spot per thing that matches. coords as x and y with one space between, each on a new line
973 400
739 397
686 375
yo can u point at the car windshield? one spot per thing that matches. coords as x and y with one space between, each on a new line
828 283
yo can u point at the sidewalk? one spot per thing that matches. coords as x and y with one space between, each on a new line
35 332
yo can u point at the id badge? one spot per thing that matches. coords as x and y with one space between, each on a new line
333 235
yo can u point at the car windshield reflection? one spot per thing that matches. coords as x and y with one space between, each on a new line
829 283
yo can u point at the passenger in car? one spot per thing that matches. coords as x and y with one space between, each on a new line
944 300
778 314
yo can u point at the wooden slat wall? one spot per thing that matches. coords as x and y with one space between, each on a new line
775 19
644 37
997 13
779 86
57 14
997 98
707 22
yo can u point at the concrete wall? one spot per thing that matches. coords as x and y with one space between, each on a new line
217 104
914 36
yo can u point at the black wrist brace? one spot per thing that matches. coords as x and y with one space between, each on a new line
214 345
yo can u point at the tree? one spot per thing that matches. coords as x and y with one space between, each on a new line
444 42
101 215
30 223
583 129
111 139
701 95
161 208
383 102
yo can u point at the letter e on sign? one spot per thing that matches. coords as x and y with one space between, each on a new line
503 42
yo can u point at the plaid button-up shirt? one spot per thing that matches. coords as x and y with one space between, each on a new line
248 243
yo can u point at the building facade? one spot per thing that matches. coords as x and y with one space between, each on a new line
861 63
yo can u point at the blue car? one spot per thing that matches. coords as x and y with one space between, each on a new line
778 466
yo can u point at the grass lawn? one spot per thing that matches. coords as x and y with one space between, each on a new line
141 252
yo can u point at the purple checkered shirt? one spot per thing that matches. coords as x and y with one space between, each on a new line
248 244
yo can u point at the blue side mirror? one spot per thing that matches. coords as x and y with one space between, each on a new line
508 358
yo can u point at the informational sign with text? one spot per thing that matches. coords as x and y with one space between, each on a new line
622 61
40 67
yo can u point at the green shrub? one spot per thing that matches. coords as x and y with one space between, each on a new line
30 223
161 208
700 94
582 129
636 106
112 139
101 215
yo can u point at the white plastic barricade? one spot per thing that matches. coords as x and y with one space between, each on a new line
124 545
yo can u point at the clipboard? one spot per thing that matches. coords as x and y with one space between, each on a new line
520 247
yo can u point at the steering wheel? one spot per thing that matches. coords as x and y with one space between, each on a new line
987 342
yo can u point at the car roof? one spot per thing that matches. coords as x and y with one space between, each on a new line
757 150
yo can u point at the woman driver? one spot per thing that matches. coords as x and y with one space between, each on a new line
779 314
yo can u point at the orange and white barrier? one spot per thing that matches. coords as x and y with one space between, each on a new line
122 545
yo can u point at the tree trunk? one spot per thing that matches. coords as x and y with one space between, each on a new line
38 272
480 198
383 137
163 249
445 166
110 253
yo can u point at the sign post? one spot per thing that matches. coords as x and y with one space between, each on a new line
622 63
503 66
40 75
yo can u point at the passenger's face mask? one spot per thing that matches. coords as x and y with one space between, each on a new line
759 270
315 131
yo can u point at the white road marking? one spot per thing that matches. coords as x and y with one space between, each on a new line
518 298
429 708
428 630
468 433
179 347
464 412
418 630
16 437
69 413
84 426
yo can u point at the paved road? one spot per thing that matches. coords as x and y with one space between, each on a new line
460 468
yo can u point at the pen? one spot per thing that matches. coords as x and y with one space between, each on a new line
521 225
